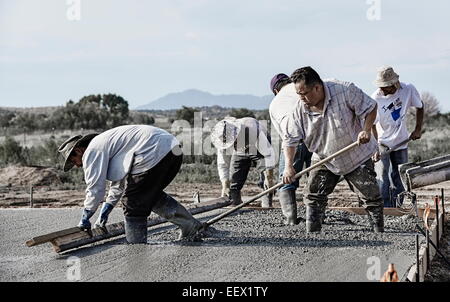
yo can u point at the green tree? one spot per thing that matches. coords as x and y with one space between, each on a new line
241 112
5 118
141 118
186 113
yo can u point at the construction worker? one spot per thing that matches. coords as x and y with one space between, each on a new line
394 98
240 144
331 116
141 161
283 104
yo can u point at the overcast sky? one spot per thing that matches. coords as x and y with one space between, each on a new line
143 50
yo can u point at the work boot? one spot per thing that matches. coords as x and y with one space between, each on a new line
313 218
174 212
266 200
235 197
288 206
136 229
376 218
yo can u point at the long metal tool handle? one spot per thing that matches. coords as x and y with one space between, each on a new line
224 214
389 150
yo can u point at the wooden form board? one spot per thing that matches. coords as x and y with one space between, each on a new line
74 237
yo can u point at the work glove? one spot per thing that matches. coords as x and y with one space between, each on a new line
104 214
85 224
225 187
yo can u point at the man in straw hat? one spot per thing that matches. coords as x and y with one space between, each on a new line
332 115
394 98
141 161
247 142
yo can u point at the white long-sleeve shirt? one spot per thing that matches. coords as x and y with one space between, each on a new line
282 105
117 152
257 142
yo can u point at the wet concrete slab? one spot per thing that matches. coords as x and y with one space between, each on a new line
250 245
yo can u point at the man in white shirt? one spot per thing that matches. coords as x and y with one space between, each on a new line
394 98
283 104
240 144
140 161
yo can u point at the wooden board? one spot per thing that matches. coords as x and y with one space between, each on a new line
49 237
74 237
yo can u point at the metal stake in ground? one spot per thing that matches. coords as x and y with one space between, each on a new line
436 202
435 247
417 259
31 196
219 217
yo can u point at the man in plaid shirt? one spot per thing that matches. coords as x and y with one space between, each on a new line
332 115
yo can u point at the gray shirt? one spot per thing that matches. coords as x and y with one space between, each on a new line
113 154
345 109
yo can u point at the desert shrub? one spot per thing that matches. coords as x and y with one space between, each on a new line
12 153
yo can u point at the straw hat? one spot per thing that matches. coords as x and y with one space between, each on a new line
67 147
386 77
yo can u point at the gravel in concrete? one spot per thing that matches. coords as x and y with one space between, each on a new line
250 245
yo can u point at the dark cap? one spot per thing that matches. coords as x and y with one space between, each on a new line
276 79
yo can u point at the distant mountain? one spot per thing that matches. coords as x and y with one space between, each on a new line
197 98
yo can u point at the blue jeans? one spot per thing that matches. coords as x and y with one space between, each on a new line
391 177
302 157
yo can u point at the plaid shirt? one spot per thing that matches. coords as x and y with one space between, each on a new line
345 108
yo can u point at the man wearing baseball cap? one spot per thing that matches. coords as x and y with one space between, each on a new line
141 161
241 144
283 104
394 98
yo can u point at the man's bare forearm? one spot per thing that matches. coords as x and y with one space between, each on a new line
419 118
289 153
375 132
370 119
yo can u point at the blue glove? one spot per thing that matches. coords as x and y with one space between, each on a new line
104 213
85 224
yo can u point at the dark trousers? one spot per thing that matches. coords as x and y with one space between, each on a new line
240 166
321 183
144 190
302 158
